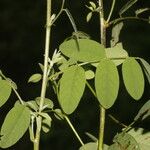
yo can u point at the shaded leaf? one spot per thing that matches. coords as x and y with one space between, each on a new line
35 78
133 78
15 125
140 11
146 68
106 83
127 6
144 112
5 91
124 141
117 54
72 86
115 33
83 50
46 122
142 137
58 114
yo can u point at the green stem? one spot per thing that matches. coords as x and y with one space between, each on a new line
74 131
102 109
45 77
112 8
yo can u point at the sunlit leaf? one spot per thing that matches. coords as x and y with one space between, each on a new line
83 50
106 83
142 137
72 86
144 112
15 125
35 78
5 91
133 78
117 54
115 33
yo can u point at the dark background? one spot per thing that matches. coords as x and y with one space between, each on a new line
22 38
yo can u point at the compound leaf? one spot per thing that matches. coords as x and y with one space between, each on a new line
15 125
72 86
106 83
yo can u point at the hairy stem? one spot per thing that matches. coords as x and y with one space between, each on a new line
44 81
102 110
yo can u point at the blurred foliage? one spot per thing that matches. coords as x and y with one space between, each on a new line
22 35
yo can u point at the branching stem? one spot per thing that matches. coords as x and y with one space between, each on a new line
45 77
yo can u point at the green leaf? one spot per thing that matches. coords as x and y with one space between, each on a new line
140 11
58 114
83 50
117 54
32 105
72 86
15 125
133 78
127 6
142 137
89 16
46 122
47 102
144 112
115 33
92 146
89 146
124 141
5 91
106 83
146 68
89 74
35 78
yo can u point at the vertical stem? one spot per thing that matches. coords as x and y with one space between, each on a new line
44 81
102 110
